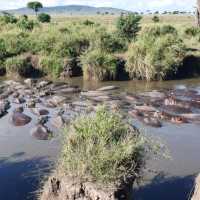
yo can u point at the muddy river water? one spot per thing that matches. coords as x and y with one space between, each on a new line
25 161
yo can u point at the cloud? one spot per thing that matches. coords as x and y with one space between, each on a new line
125 4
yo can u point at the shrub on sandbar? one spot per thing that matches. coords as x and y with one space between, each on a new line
102 147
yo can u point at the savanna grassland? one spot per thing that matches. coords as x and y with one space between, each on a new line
101 47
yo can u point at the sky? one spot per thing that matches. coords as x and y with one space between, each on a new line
134 5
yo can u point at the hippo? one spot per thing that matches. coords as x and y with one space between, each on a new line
173 109
68 90
107 88
19 109
30 82
41 132
146 119
134 99
93 93
154 94
16 95
19 100
43 84
145 108
172 117
31 103
175 101
191 116
55 100
100 98
39 112
58 121
20 119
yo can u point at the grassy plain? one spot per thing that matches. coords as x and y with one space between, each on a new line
70 41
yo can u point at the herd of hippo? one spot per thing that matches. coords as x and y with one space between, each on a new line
60 102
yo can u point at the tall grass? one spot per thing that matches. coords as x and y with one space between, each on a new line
103 148
156 55
98 65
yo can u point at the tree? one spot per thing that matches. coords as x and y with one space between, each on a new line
43 17
198 13
129 25
155 19
35 5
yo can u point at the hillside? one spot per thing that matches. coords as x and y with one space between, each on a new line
70 10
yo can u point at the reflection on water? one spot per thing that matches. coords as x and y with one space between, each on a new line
135 86
23 160
20 177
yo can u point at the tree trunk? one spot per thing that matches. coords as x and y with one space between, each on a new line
198 13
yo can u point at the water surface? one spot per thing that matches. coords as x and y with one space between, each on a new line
24 161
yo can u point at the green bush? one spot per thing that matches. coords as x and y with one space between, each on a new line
19 65
155 19
44 18
26 24
51 65
192 31
88 22
103 148
155 57
98 65
71 46
168 29
128 26
111 43
8 18
14 43
157 31
3 52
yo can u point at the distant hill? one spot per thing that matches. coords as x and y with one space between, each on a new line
71 10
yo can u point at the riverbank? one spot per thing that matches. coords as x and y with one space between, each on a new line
84 47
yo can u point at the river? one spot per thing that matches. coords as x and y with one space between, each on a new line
24 161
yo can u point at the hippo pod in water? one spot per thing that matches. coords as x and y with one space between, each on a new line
172 117
41 132
20 119
174 109
145 118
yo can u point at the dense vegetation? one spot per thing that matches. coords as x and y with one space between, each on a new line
152 52
103 148
157 54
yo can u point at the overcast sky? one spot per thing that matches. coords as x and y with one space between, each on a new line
140 5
